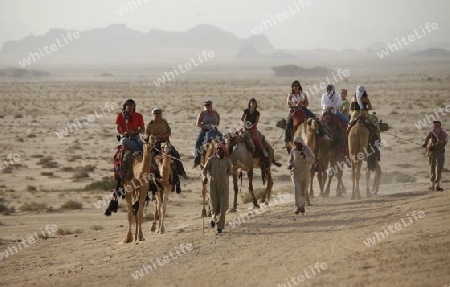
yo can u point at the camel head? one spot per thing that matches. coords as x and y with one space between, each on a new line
166 148
149 143
281 124
312 124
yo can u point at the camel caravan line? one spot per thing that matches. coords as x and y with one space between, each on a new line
331 143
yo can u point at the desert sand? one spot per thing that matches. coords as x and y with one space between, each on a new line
45 171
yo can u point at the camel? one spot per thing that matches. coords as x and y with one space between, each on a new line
163 161
335 156
208 151
242 158
358 140
137 187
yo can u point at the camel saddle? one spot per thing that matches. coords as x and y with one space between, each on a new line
251 146
298 117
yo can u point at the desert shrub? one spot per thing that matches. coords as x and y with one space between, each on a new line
33 206
46 173
102 185
97 227
399 177
80 175
5 209
247 198
88 168
31 188
64 231
72 204
18 116
67 169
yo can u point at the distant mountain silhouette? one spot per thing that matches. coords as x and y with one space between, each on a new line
431 53
22 73
120 44
250 53
296 71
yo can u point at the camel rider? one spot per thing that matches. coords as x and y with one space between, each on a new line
208 121
160 129
361 105
129 125
331 103
297 100
435 142
345 104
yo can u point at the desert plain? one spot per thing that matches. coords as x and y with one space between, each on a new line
52 180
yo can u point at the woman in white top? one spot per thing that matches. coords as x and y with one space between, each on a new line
296 100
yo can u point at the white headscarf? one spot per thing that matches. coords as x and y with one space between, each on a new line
359 93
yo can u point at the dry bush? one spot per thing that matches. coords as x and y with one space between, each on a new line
33 206
5 209
7 169
247 197
46 173
67 169
72 204
106 184
97 227
62 231
80 175
31 188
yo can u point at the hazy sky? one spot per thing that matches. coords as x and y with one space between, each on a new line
329 24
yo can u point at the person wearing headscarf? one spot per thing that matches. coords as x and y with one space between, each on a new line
361 105
331 103
300 159
219 167
159 128
435 142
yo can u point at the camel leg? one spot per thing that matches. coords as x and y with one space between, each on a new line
376 182
250 188
368 194
142 195
353 181
204 200
340 189
357 179
269 187
157 211
265 177
311 189
129 237
235 188
327 189
165 198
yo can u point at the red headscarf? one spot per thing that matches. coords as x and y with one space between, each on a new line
438 132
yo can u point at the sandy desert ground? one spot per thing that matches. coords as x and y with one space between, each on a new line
47 171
